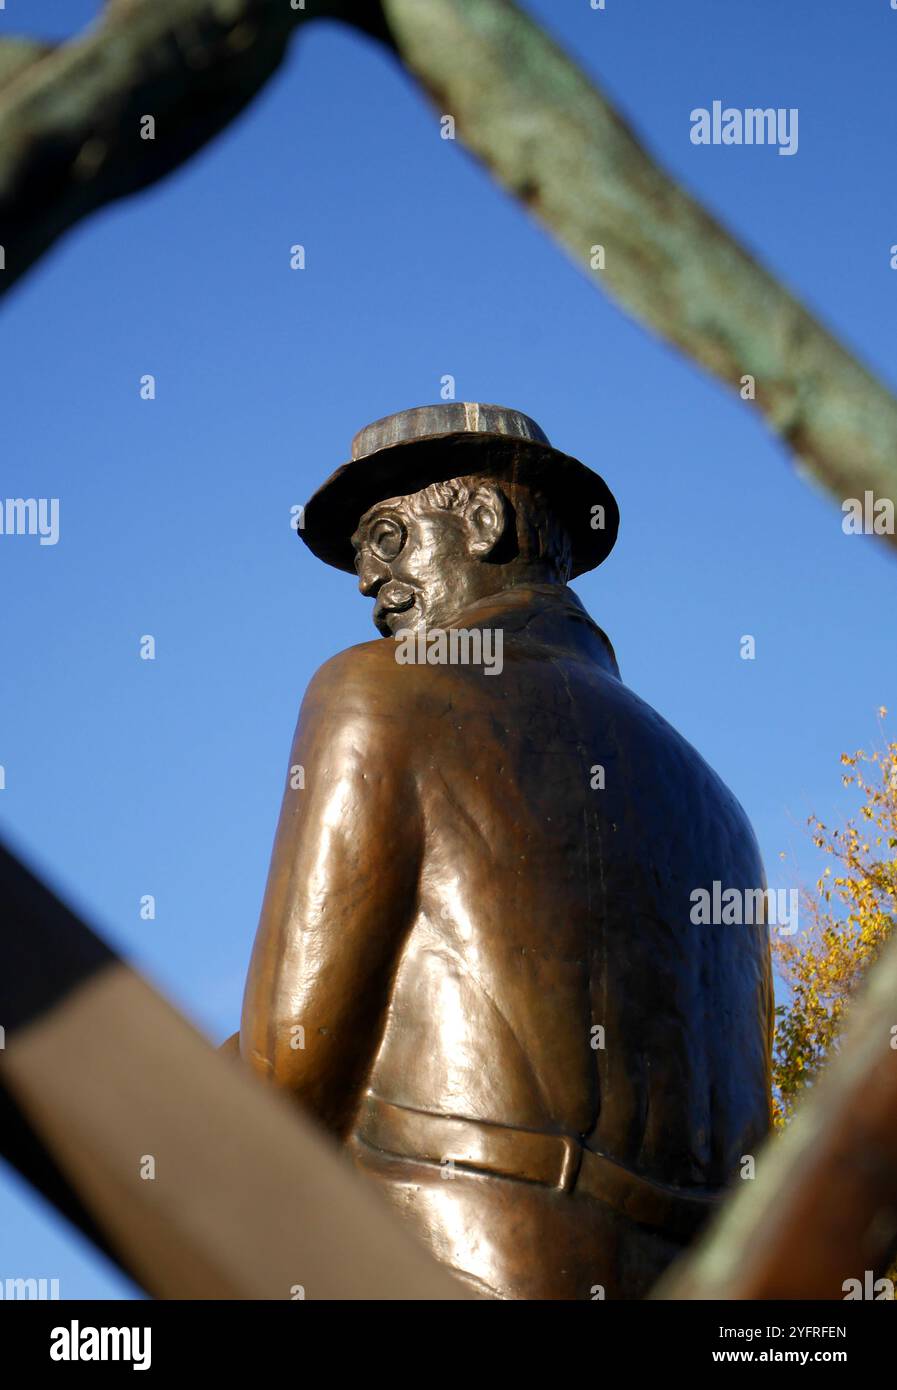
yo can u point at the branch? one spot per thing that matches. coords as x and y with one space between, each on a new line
557 145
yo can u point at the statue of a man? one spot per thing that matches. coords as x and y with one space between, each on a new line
478 961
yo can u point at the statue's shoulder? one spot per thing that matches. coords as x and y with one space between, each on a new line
367 680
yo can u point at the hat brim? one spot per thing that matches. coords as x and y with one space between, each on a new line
575 492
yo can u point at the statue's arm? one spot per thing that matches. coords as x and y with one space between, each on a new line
340 897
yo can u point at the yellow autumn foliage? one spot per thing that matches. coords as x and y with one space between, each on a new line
851 914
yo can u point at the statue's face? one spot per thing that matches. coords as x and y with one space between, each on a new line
418 567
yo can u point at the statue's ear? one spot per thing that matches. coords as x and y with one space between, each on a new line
486 519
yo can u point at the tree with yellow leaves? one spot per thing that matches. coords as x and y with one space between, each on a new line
851 914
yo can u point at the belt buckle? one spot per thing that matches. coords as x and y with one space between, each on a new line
570 1163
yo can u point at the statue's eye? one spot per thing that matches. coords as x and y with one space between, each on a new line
386 538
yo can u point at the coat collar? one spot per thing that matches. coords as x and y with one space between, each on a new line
551 615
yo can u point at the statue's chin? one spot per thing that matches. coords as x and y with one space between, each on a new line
391 624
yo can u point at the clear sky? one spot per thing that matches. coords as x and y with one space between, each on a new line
127 777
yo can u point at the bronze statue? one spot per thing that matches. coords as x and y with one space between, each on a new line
477 961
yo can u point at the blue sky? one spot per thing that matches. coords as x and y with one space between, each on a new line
126 777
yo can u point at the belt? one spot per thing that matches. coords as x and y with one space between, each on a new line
552 1160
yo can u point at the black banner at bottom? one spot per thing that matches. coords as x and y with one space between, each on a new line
268 1339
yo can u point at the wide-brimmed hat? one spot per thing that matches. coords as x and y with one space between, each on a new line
406 452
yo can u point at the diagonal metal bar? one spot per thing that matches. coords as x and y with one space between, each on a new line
551 138
70 142
197 1179
70 122
16 54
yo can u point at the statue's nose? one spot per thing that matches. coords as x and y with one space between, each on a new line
372 574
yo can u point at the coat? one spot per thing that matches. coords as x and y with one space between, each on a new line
478 961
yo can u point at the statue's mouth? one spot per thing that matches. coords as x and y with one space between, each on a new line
395 604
